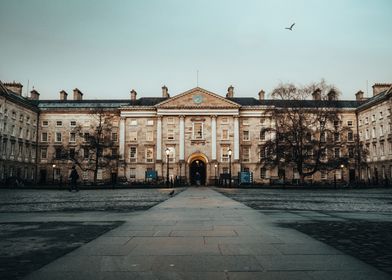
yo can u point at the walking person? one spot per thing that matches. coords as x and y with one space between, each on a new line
74 176
198 179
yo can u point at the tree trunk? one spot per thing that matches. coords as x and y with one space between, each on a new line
96 165
302 178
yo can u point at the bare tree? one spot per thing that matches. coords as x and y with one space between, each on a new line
97 146
307 134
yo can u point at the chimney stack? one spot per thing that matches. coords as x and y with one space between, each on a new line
317 94
77 94
34 95
261 95
359 96
133 95
230 92
63 95
380 87
165 92
14 87
332 95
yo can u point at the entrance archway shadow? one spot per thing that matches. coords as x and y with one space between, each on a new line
197 163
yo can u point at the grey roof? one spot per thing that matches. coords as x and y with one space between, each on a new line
374 99
113 103
14 97
247 101
148 101
82 103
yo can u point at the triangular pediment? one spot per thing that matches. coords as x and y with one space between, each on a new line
197 98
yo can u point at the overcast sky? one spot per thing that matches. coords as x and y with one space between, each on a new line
107 48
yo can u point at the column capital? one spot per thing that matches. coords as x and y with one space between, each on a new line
214 116
181 117
236 116
122 118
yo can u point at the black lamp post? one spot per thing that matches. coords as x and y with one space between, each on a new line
216 178
180 175
54 166
167 166
341 173
229 152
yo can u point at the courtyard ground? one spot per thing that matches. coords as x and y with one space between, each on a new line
355 221
38 226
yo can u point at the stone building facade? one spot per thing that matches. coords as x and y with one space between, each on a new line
375 131
188 136
18 134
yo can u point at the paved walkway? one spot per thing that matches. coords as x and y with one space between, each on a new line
201 234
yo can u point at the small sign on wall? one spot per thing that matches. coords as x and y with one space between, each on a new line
85 175
99 174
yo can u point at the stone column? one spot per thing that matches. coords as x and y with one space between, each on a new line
182 138
213 137
159 138
236 138
122 138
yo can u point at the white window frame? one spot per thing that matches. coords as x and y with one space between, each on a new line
132 173
134 158
246 150
334 152
149 159
150 122
225 154
264 133
352 136
70 137
59 123
44 153
72 123
202 130
57 137
382 149
170 134
228 133
243 135
42 137
133 122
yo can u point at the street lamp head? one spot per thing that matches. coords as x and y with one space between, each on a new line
54 165
230 151
216 165
342 165
167 151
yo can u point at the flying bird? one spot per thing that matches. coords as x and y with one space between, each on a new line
171 193
291 27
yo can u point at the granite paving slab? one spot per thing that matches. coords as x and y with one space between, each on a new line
206 236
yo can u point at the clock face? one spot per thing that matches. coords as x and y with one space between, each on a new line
197 99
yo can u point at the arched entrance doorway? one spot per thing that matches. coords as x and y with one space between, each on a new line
197 163
197 172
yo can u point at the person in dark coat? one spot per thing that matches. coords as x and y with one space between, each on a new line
74 176
198 179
